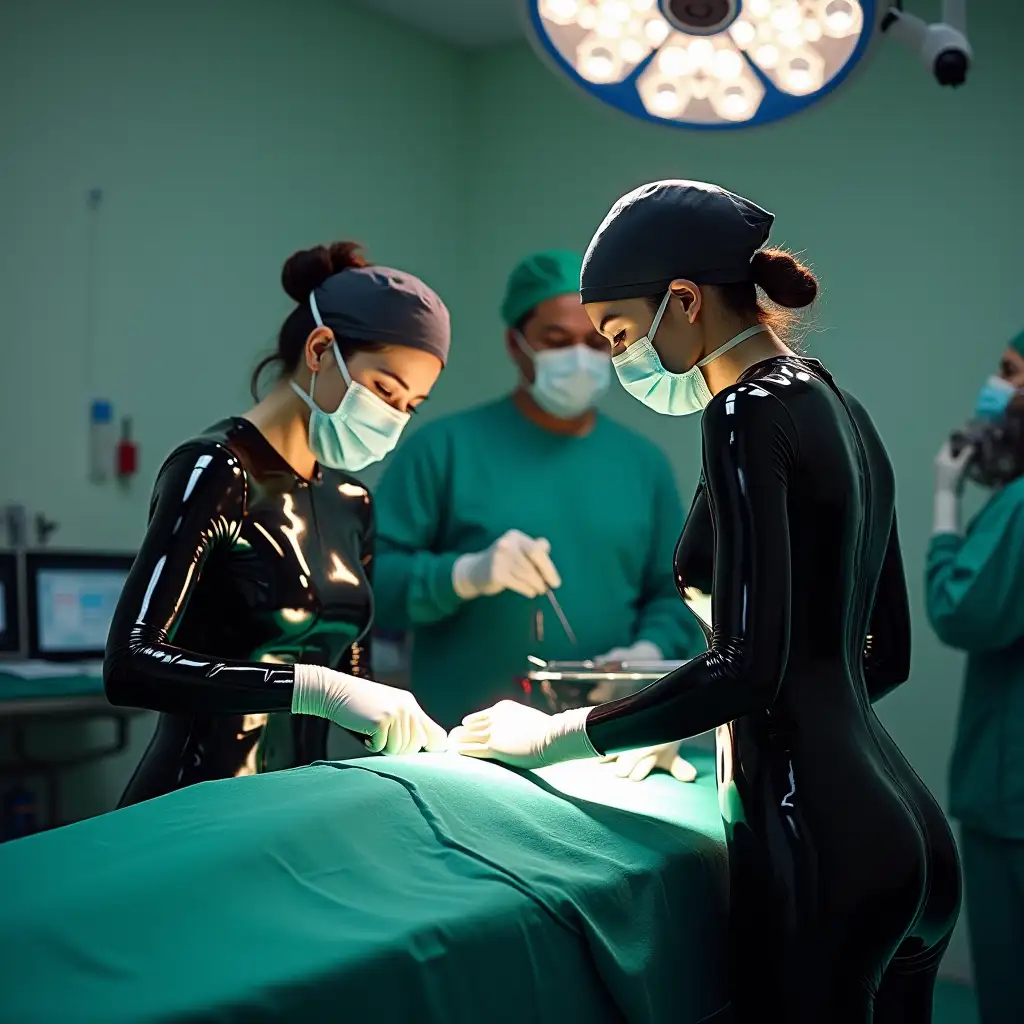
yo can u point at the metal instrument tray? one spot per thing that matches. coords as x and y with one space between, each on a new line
590 672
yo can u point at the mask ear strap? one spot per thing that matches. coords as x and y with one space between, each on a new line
315 310
341 365
308 399
524 347
732 343
657 316
318 320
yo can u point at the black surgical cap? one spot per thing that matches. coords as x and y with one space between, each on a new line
672 229
385 305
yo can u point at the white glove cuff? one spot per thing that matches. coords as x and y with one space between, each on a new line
568 739
946 517
461 577
309 691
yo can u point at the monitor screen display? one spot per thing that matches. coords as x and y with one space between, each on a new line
74 608
10 609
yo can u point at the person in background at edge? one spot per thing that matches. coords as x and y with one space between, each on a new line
479 513
243 620
975 601
844 883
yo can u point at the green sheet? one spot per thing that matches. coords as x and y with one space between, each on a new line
428 888
13 687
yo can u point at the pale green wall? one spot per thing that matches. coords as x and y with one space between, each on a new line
906 199
227 134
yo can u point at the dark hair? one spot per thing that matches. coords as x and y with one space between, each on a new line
302 272
520 324
786 282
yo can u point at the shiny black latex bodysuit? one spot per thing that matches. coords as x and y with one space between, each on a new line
845 883
246 568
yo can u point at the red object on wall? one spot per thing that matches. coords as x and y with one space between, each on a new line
127 452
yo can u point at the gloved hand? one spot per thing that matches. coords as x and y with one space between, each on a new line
391 718
949 481
636 765
950 468
523 736
513 562
642 650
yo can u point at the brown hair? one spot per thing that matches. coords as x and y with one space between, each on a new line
786 282
303 272
783 279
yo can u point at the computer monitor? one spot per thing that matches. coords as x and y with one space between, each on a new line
71 602
11 606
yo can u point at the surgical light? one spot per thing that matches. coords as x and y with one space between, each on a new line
731 63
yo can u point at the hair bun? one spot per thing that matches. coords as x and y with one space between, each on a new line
785 280
309 268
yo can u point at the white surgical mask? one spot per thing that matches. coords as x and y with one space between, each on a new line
642 374
567 381
361 431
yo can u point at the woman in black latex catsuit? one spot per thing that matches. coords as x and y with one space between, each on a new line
845 882
246 616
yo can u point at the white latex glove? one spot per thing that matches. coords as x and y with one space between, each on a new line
513 562
391 719
950 468
523 736
636 765
949 481
642 650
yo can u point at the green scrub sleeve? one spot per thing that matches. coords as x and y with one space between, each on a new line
413 582
664 619
973 593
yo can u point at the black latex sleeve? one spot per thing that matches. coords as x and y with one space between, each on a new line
749 450
198 504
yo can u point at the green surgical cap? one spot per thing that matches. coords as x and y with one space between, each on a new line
537 278
1017 344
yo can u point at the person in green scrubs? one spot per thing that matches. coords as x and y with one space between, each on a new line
975 598
479 513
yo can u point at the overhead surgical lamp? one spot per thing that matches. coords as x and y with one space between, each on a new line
731 63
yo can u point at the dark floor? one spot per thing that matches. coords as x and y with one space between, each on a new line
954 1004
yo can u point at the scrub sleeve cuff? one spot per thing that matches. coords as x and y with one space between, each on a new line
943 545
435 585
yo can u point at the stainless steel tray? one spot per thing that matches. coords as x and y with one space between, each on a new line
590 672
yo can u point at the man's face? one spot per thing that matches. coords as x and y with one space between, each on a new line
557 322
1011 368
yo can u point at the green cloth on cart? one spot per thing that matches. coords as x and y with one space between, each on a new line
427 888
13 687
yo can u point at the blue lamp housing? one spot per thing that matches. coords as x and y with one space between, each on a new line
706 64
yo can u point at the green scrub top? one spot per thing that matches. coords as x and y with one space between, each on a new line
975 598
608 504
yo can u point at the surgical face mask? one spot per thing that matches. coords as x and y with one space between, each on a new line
567 381
993 398
361 431
640 372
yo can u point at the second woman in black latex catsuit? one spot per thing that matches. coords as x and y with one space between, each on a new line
845 882
245 618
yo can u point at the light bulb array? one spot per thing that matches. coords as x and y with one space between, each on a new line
797 45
